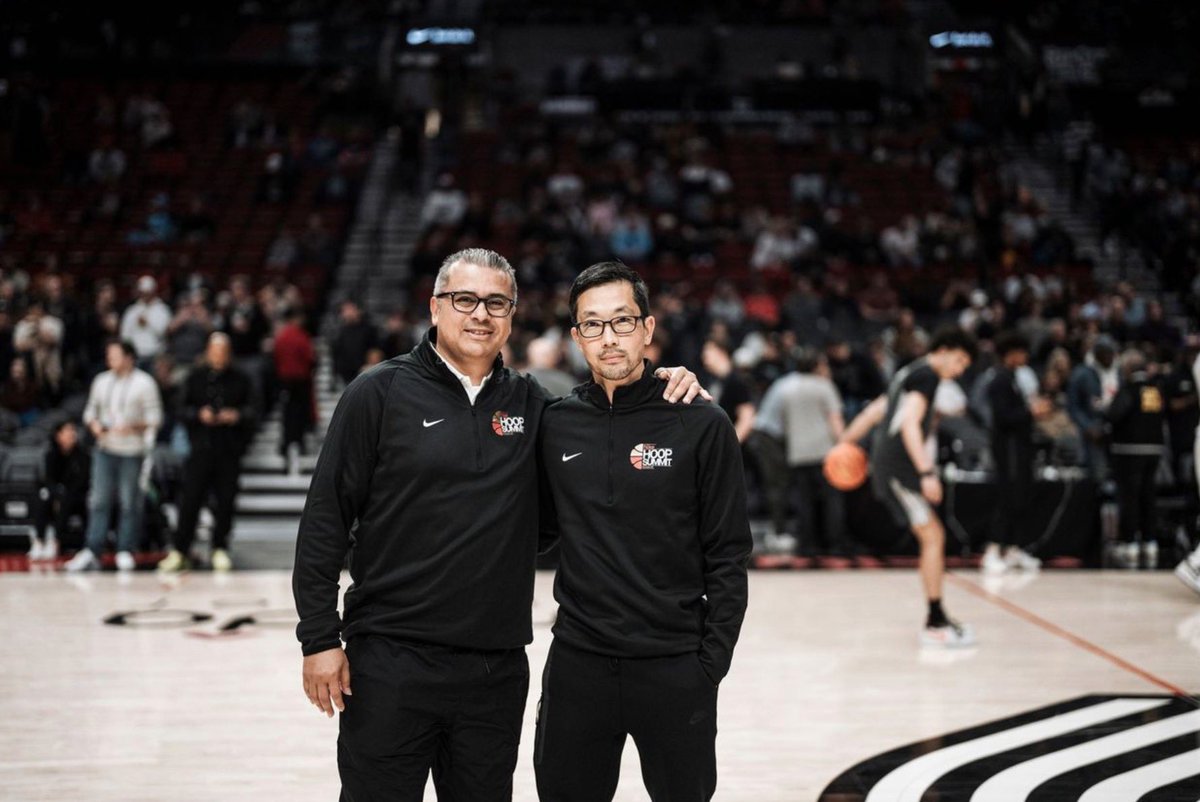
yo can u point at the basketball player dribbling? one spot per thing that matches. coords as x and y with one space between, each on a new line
904 475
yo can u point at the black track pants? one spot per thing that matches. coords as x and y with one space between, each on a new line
591 702
208 472
417 708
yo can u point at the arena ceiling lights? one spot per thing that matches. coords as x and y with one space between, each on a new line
440 37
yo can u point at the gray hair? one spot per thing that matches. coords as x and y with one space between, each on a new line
481 257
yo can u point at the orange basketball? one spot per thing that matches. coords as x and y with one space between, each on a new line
845 466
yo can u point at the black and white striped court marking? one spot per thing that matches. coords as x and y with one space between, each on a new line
1092 749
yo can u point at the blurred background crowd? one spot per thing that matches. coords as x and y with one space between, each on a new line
808 187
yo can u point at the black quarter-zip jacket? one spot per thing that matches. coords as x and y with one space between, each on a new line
437 502
219 389
649 505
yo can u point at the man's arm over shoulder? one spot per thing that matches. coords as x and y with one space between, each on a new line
336 497
724 538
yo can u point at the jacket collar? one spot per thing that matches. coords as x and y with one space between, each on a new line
642 391
433 364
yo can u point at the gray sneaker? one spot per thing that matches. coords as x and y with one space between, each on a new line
84 560
951 635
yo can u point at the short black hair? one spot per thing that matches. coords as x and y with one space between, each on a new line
1009 341
608 273
720 343
952 338
808 359
125 346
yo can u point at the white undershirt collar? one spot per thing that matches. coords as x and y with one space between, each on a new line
473 390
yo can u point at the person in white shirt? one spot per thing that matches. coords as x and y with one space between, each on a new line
146 321
123 413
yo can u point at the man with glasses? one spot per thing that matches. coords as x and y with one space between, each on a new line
650 508
428 478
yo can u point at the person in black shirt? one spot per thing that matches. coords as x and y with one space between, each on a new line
1183 410
217 405
1136 417
1012 419
67 478
728 389
1188 569
355 337
428 480
904 476
857 378
649 504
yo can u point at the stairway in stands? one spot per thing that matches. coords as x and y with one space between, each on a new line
373 270
270 500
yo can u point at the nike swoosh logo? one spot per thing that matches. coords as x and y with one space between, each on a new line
573 456
428 423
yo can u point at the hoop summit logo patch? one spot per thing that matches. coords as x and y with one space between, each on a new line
648 456
505 425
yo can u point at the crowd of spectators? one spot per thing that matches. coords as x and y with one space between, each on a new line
53 339
60 347
1146 193
826 263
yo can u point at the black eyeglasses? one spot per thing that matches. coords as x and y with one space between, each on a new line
625 324
468 302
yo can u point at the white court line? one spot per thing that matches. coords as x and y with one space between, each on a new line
909 782
1019 781
1140 781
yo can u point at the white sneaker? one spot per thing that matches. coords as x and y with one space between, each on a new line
221 561
125 561
84 560
992 563
1018 559
1124 555
49 549
780 544
35 549
1189 574
952 635
1150 554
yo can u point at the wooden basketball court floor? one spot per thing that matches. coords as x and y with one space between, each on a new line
827 676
